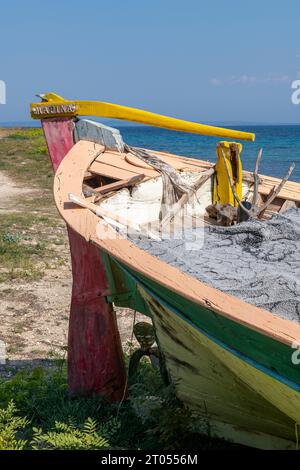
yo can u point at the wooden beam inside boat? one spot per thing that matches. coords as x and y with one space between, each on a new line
129 182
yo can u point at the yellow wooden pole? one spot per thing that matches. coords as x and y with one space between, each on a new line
53 105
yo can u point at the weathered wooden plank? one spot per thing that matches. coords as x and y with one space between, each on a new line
95 358
117 160
290 191
270 180
111 172
187 160
129 182
175 163
102 212
59 138
98 133
285 193
287 205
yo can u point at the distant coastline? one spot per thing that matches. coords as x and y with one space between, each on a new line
118 123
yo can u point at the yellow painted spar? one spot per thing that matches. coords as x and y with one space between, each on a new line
53 105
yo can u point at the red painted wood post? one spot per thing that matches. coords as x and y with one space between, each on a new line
95 359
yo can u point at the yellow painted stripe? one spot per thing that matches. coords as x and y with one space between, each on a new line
275 392
115 111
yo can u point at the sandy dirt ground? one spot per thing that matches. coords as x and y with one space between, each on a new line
9 191
34 315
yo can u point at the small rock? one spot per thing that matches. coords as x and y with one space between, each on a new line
3 355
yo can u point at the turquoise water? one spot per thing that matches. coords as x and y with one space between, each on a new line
281 146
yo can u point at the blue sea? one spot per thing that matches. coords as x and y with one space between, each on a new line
280 143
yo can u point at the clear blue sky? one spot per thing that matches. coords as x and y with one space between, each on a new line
216 60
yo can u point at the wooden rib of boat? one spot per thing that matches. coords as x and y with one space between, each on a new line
229 360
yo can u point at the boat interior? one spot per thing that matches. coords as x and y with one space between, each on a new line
125 186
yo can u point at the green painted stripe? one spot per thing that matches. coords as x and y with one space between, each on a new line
236 353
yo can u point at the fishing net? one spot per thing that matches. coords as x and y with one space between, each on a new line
257 261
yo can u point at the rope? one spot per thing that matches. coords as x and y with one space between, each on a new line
174 185
130 352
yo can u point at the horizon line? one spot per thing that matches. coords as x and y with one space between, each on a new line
121 123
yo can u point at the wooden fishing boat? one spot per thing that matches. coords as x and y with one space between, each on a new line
228 360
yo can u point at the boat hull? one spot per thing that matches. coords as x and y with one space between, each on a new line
249 389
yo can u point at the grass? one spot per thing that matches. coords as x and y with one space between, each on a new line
23 154
27 245
36 413
27 241
19 256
